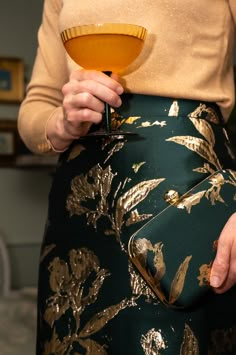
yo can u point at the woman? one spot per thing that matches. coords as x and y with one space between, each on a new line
91 300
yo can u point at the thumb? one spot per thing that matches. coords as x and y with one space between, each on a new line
221 264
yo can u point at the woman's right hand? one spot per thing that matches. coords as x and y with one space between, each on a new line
83 105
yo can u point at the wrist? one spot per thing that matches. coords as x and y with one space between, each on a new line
54 133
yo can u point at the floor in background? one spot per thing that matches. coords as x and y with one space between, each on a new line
18 323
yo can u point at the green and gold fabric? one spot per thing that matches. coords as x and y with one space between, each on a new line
91 298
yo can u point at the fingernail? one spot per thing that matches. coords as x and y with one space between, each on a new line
118 103
215 281
119 90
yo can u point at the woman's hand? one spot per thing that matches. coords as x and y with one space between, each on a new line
83 105
223 272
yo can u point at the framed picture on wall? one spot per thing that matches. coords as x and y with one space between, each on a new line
8 142
14 153
11 80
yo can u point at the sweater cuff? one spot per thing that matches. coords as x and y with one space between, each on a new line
46 146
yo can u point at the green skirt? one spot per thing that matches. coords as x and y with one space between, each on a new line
91 300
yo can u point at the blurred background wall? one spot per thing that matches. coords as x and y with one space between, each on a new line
23 192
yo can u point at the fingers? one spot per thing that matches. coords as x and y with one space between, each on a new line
220 265
78 121
80 93
98 84
110 82
84 97
83 105
223 272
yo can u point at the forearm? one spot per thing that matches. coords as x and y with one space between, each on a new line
32 121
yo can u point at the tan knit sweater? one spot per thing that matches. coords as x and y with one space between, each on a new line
188 54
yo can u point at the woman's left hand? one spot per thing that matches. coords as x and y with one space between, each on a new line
223 271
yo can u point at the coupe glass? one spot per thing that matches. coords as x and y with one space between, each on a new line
108 47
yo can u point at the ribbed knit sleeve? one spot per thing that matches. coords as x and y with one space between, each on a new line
49 74
232 4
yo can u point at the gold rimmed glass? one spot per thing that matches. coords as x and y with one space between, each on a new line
108 47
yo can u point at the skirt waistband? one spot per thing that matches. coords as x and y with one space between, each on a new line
165 106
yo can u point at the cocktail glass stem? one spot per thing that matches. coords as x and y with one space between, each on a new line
107 118
107 112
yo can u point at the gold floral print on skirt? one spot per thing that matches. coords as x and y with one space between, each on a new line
91 300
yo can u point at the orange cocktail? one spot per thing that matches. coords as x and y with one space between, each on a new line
108 47
105 47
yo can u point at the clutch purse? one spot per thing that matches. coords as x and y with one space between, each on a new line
174 251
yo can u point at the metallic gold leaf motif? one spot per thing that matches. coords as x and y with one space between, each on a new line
135 217
92 347
116 148
108 140
155 123
55 346
203 147
212 193
101 319
82 263
217 180
191 200
174 109
140 248
117 120
86 187
204 128
152 342
226 134
199 146
228 145
67 285
59 274
76 151
139 286
132 198
204 274
177 284
75 286
190 343
131 120
159 261
206 168
210 114
232 179
137 166
94 188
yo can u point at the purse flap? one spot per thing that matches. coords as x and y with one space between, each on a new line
174 250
